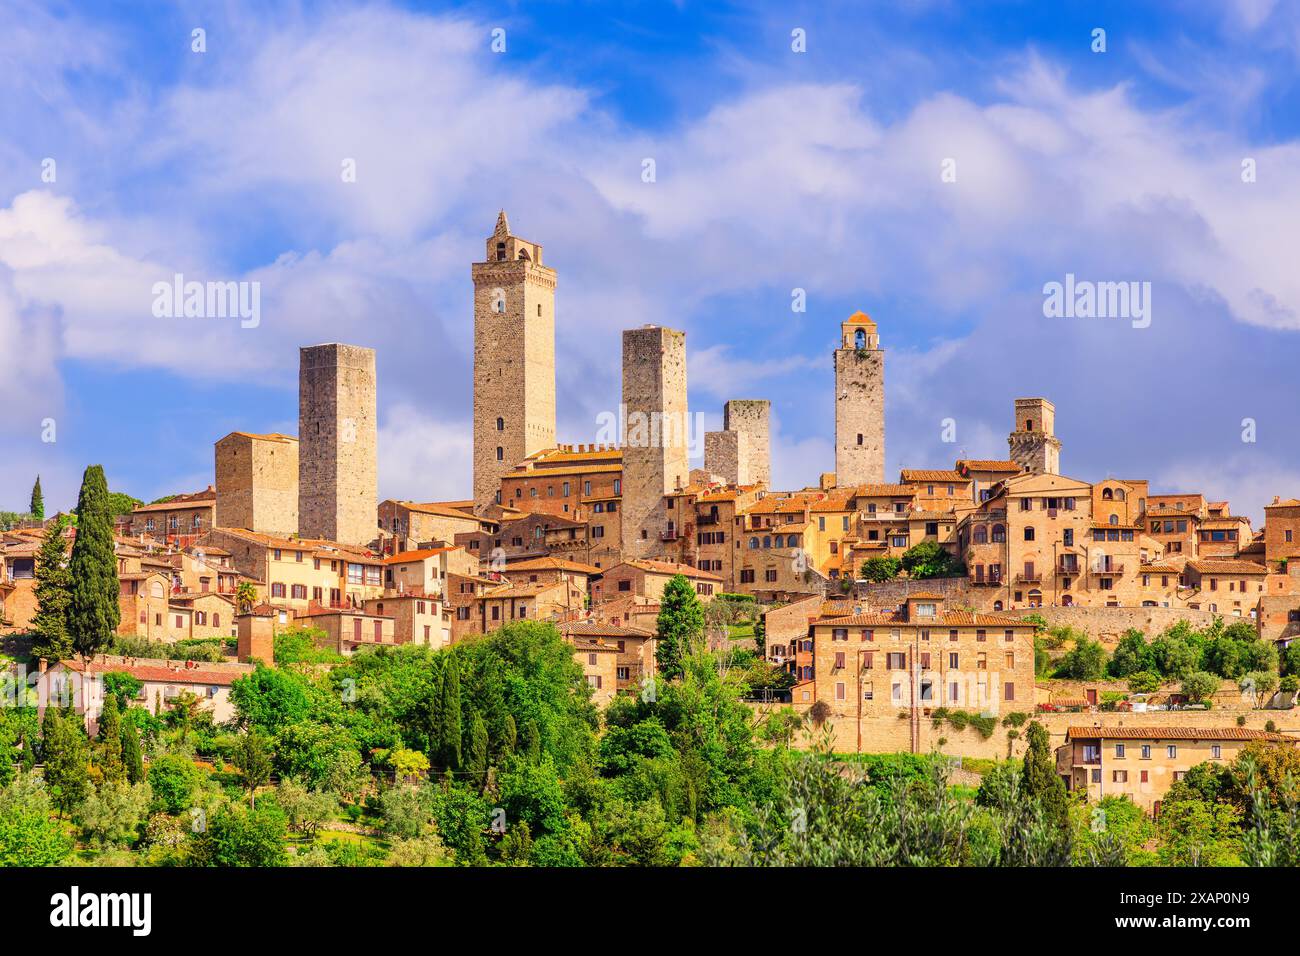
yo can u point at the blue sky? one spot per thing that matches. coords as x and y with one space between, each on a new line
775 170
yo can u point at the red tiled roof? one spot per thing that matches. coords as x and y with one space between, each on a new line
1172 733
159 672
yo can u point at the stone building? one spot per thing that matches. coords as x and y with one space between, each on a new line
741 453
514 359
1281 532
656 421
179 520
338 478
257 482
723 452
1033 440
859 403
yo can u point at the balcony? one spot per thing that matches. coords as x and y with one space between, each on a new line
703 520
1071 568
1108 568
670 535
1033 577
993 581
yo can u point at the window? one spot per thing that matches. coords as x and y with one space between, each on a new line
1119 776
1119 751
839 634
277 589
1172 751
300 592
1216 752
501 453
1009 691
1029 534
953 660
1146 751
839 660
839 690
1144 776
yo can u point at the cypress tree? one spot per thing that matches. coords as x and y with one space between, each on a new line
477 763
37 507
65 761
94 613
1040 780
510 739
131 758
53 597
679 625
449 719
110 740
532 742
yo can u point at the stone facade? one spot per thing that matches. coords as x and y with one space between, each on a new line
257 483
859 404
750 418
338 479
514 359
1033 440
723 452
655 434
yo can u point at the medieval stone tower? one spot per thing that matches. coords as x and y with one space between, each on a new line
655 453
514 359
338 483
741 453
1034 445
859 403
257 483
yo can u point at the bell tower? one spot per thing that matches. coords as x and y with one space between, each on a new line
514 358
1033 442
859 403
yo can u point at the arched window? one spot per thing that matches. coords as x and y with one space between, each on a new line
523 254
1107 494
859 339
1114 519
1035 598
501 424
1067 600
767 541
501 304
980 535
997 605
1119 494
1029 424
501 453
792 541
1029 534
779 542
753 543
501 250
999 534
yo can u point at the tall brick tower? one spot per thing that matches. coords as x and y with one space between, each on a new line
338 483
514 359
859 403
1033 441
655 454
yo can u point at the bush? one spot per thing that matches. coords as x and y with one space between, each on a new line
1085 661
1199 686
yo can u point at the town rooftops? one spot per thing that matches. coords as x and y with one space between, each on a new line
405 557
597 629
985 464
883 490
1226 566
1172 733
169 672
667 567
944 619
552 564
317 546
932 474
206 497
442 509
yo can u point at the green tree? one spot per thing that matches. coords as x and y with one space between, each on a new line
1085 661
112 813
1143 682
510 738
235 836
447 715
174 780
109 757
1132 655
929 559
477 764
1041 781
28 836
1199 685
123 686
679 625
531 744
131 757
52 638
1260 683
66 757
881 569
94 612
252 758
37 507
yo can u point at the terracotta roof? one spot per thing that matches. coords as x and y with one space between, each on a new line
667 567
860 318
926 595
883 491
1226 566
440 508
946 619
270 436
552 564
1159 569
405 557
199 499
317 546
1172 733
928 474
159 672
597 629
985 464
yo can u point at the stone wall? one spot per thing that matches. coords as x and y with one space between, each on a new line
751 419
655 432
257 483
723 452
859 410
338 478
1108 624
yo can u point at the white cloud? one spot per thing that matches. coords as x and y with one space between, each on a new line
424 459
